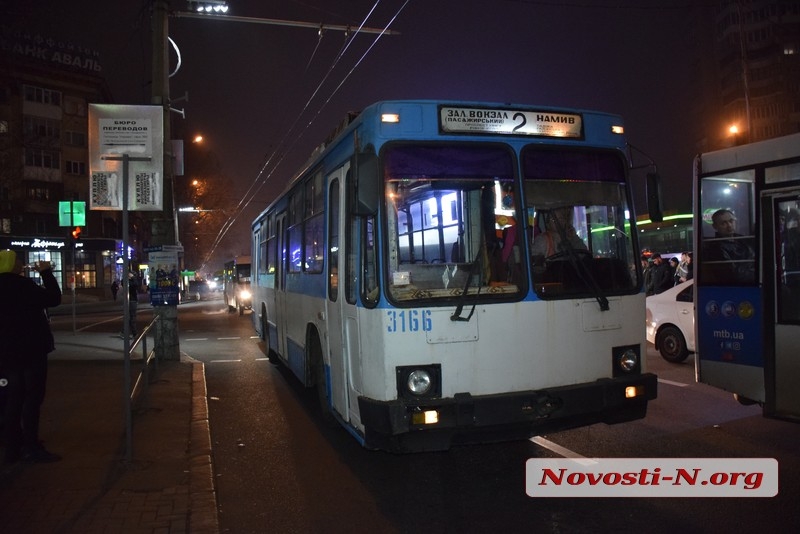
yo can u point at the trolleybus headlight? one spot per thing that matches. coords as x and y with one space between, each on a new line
629 361
419 382
626 360
416 382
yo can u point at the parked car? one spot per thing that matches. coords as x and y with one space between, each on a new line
669 320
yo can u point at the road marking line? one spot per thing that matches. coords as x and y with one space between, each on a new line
228 338
671 383
196 339
91 325
224 361
561 451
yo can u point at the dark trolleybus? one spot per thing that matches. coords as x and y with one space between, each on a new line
445 272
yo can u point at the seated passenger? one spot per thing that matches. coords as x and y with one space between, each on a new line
558 225
729 256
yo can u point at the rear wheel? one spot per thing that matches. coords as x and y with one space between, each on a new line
671 344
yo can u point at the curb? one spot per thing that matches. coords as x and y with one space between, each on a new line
203 497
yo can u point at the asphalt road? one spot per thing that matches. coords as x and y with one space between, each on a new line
280 468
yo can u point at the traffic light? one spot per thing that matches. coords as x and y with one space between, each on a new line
76 233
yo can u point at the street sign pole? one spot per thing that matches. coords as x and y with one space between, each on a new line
74 273
126 312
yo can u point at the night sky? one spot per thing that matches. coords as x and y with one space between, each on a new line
265 93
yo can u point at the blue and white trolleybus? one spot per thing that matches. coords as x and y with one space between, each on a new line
447 272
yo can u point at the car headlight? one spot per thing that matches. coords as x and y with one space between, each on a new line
244 295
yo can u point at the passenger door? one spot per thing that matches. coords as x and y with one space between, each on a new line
782 282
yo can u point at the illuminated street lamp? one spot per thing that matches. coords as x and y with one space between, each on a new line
209 6
196 210
734 131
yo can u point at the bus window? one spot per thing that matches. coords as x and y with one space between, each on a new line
727 240
450 209
581 244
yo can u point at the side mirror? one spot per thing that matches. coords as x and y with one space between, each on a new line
366 184
654 207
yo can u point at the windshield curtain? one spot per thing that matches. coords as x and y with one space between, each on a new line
580 230
452 213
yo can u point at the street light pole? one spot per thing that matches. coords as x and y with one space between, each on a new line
164 223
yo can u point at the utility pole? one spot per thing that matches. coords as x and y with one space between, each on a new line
164 225
167 346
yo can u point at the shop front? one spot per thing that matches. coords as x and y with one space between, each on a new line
88 266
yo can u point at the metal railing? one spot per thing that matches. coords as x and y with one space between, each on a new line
141 382
140 385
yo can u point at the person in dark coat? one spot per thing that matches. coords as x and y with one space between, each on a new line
661 277
25 342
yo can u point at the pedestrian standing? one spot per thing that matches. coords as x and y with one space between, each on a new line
133 302
661 277
647 271
25 342
684 271
114 288
673 269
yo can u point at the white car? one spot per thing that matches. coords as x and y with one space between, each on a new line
670 321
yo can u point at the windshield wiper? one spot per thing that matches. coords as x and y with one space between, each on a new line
460 307
580 267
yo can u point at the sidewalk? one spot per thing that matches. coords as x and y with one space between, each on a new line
168 487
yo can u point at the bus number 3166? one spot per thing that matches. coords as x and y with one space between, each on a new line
409 321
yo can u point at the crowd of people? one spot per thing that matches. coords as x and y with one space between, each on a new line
660 275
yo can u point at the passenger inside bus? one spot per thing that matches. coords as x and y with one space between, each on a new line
729 255
558 236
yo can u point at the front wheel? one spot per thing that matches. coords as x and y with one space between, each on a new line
320 382
671 344
271 355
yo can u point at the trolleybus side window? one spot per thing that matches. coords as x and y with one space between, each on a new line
313 225
333 242
728 245
272 246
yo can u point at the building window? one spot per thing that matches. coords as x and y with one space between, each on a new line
42 95
41 127
85 270
48 159
75 138
39 192
5 226
76 167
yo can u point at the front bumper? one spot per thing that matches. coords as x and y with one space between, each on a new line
391 425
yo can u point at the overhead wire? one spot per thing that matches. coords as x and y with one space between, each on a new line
276 155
